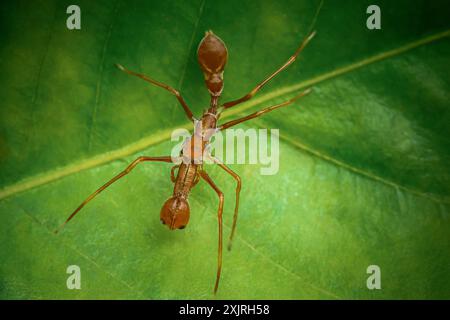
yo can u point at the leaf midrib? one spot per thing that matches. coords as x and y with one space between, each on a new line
367 174
158 137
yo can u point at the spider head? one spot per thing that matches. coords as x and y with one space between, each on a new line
212 56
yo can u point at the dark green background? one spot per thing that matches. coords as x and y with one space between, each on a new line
364 167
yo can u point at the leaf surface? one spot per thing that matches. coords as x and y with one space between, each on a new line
363 178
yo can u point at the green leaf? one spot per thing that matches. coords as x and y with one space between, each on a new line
363 179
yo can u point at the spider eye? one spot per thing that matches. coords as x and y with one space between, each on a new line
162 221
182 227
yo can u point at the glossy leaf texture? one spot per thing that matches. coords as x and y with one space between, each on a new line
364 173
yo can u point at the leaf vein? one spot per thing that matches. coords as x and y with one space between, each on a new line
353 169
191 45
153 139
286 270
77 251
100 77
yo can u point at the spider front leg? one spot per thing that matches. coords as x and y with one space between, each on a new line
110 182
263 111
250 95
